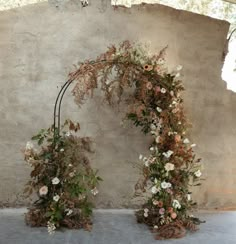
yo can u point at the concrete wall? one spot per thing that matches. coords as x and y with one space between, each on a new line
39 45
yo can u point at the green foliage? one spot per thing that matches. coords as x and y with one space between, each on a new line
61 177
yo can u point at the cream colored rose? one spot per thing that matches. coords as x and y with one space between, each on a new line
43 191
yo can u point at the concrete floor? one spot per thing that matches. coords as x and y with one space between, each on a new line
115 227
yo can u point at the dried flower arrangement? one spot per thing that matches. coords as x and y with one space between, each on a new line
157 107
62 178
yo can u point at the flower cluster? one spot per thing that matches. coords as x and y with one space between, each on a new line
156 106
62 178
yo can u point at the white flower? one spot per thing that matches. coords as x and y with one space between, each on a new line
72 174
154 190
55 181
151 148
62 150
29 145
94 191
172 93
165 185
56 198
179 123
157 139
198 173
163 90
155 202
155 227
145 214
176 204
179 67
70 165
153 127
169 167
193 145
158 109
51 227
186 141
168 153
174 102
189 197
68 211
140 157
43 191
177 75
146 210
146 163
68 133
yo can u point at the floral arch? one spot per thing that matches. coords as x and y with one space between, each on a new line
62 176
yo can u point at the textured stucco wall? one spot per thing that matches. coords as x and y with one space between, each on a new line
40 43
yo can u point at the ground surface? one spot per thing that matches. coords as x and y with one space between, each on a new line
115 227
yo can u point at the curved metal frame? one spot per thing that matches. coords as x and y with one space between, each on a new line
57 109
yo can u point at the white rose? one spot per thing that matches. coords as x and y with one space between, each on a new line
165 185
169 167
56 198
163 90
43 191
168 153
158 109
186 141
169 185
55 181
198 173
154 190
176 204
153 127
193 145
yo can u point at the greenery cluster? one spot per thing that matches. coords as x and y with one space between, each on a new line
62 179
